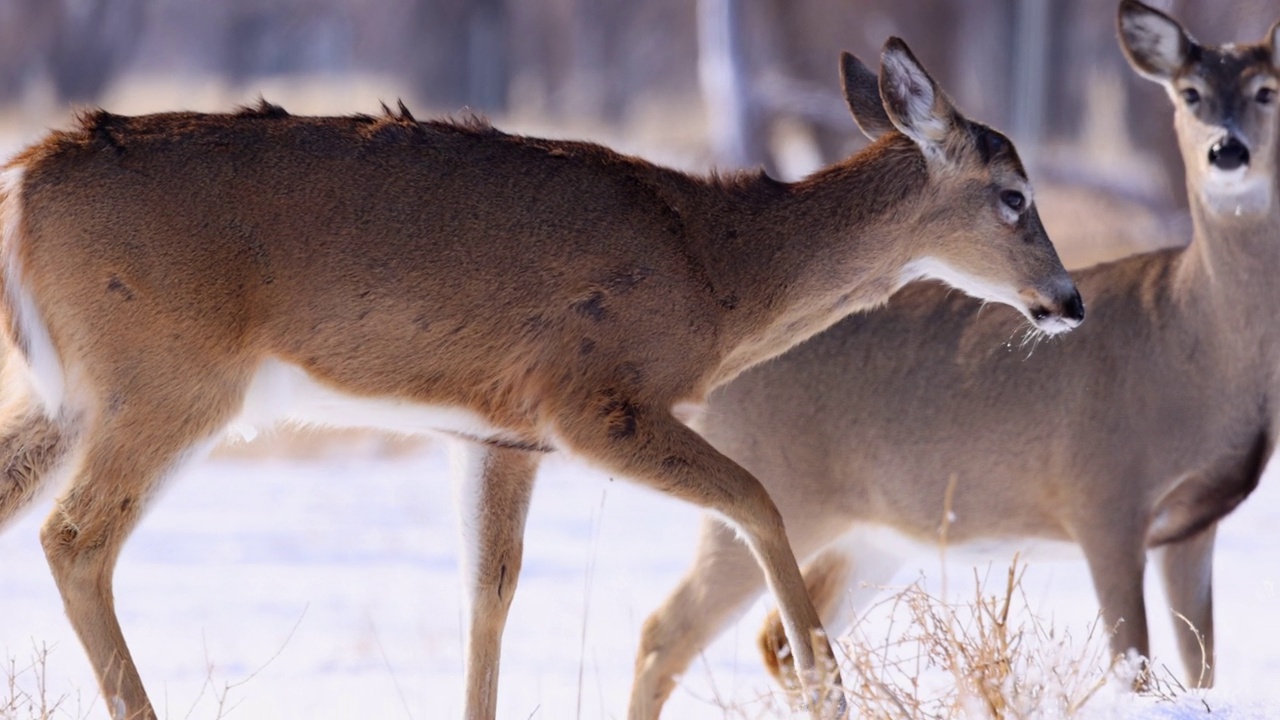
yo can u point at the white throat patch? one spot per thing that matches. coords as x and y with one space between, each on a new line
936 269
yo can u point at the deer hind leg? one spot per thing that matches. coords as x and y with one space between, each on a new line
128 448
32 448
842 580
493 486
1187 568
650 446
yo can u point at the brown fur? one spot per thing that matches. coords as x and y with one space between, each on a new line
1139 431
568 296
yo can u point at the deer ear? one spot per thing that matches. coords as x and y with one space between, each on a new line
1155 44
1273 42
912 100
862 93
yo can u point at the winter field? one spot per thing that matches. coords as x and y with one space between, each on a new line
329 588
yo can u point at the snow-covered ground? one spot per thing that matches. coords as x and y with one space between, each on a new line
329 588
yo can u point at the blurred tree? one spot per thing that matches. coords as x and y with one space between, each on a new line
460 53
78 45
735 118
488 57
94 39
27 28
284 37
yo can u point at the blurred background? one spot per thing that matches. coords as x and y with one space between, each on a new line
692 83
340 539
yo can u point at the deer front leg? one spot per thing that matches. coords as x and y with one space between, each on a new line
825 577
1116 563
722 580
492 486
1187 567
843 580
650 446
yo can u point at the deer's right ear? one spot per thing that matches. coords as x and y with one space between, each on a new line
1155 44
913 101
1273 42
862 93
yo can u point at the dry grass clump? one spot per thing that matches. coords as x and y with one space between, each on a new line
989 657
26 695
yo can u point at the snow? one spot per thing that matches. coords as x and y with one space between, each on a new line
330 588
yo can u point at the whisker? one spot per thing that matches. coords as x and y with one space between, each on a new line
1032 337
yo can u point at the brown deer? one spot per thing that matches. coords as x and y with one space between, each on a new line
169 277
1139 432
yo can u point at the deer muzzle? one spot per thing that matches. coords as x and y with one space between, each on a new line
1057 312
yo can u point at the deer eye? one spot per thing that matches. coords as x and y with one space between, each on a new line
1014 200
1190 96
1265 95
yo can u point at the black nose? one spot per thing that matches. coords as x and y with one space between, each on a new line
1073 308
1229 154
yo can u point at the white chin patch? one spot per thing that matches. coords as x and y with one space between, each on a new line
1227 178
1055 325
933 268
1235 192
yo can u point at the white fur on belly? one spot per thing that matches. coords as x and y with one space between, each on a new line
43 366
284 393
893 543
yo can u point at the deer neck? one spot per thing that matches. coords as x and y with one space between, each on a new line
789 260
1228 275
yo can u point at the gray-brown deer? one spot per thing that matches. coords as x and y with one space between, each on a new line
169 277
1138 432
